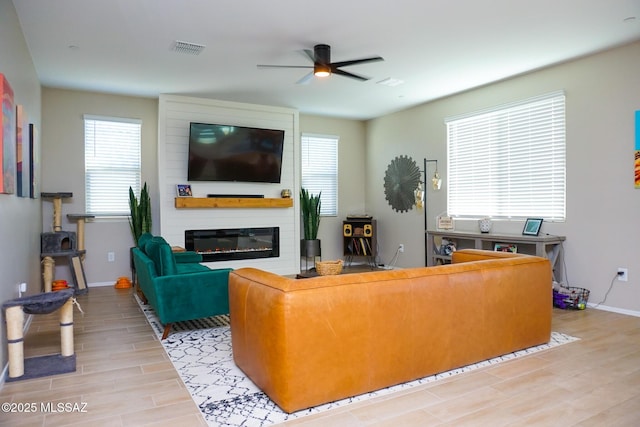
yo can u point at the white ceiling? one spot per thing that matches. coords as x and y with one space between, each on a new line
436 47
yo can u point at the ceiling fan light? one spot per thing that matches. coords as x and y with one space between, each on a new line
321 70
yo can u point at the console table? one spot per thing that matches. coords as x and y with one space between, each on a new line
547 246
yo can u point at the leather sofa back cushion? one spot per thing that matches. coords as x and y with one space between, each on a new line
160 253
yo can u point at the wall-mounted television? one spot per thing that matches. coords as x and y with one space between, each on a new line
234 153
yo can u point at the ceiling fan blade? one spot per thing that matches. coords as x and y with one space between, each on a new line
310 54
347 74
305 79
358 61
284 66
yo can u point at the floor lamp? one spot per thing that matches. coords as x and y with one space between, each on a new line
421 198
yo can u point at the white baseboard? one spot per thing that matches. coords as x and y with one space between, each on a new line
615 310
99 284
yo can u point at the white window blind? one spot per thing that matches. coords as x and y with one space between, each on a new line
509 162
319 165
112 163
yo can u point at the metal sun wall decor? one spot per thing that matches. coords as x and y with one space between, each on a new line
400 180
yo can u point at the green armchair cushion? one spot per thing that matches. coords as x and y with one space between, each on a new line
190 267
160 253
143 239
187 257
179 257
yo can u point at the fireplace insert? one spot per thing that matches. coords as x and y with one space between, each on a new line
234 243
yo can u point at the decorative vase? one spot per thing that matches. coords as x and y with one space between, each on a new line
485 225
310 249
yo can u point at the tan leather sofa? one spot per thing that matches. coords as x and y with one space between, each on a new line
312 341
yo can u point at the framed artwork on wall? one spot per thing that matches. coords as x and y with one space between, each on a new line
22 152
637 151
34 162
7 138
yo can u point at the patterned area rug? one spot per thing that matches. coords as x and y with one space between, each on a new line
200 350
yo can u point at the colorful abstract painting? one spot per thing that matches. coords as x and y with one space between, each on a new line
22 153
7 138
637 153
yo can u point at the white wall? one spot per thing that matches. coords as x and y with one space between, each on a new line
63 171
21 217
602 93
175 114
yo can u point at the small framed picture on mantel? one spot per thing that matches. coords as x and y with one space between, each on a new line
184 190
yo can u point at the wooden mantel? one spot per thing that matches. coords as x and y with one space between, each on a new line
231 202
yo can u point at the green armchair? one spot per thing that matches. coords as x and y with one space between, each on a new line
176 285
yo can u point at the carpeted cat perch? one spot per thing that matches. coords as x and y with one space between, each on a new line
40 366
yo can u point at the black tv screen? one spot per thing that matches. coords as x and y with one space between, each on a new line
234 153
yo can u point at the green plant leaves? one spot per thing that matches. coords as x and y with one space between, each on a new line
140 219
310 207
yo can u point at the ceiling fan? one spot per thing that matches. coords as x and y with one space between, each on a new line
323 67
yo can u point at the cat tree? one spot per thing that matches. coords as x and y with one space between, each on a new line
59 243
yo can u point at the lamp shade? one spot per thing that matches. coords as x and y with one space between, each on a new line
436 181
321 70
418 195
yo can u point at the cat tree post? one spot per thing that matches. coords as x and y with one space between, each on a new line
66 329
15 340
39 366
80 222
47 274
57 214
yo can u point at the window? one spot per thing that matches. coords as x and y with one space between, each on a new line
509 162
320 170
111 163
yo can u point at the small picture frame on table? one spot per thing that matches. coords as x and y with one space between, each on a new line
444 222
532 226
184 190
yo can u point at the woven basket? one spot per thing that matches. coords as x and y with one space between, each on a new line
328 268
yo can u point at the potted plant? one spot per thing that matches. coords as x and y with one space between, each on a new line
140 219
310 207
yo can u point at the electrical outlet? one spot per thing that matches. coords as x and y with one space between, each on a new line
623 274
111 256
23 287
401 247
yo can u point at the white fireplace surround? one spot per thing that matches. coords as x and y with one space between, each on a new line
174 116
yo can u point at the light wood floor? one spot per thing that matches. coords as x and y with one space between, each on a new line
125 379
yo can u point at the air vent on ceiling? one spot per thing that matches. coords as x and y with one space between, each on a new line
188 48
390 81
